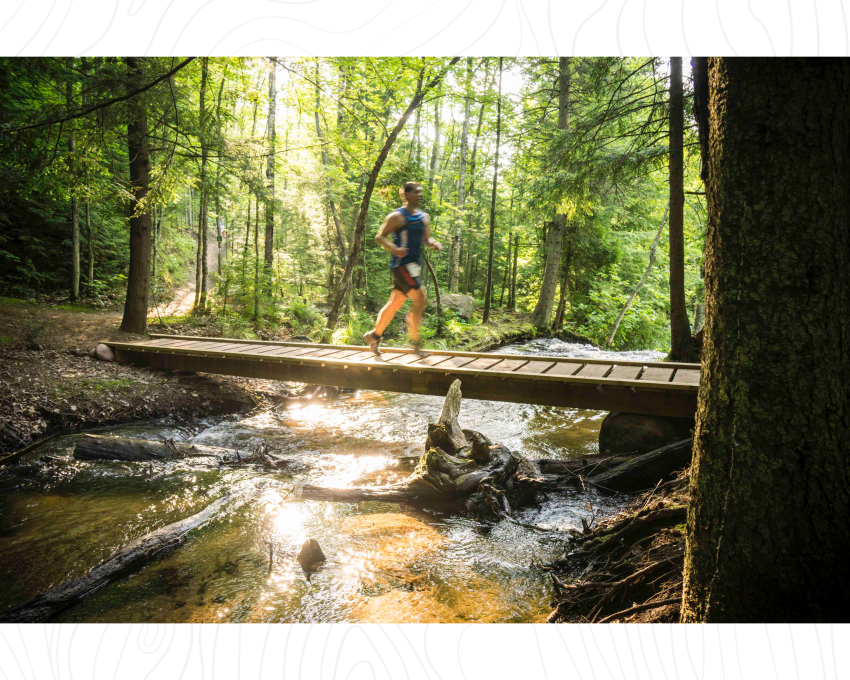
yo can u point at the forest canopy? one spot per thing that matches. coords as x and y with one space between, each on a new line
259 169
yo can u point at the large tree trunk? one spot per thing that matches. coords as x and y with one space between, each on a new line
488 292
454 262
769 522
75 209
269 198
203 214
541 317
421 91
562 302
680 331
138 280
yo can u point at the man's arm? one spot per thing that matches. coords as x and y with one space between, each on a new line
429 241
392 222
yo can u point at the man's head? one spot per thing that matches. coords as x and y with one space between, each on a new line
412 194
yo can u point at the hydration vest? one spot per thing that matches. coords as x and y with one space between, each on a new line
410 237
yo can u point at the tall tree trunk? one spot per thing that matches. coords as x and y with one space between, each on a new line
435 151
247 241
767 531
157 221
333 317
203 214
219 232
682 348
512 303
86 66
343 251
257 259
72 170
562 303
454 263
138 279
488 292
541 317
269 202
505 273
199 251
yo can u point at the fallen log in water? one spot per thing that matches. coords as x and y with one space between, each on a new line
126 561
643 472
100 447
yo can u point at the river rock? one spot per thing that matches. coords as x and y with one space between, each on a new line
632 433
104 353
311 555
463 305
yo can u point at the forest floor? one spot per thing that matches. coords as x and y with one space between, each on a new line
49 389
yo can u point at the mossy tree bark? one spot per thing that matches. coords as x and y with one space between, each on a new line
769 522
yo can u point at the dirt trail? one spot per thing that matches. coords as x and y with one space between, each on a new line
181 303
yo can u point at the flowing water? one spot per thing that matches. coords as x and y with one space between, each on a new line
385 562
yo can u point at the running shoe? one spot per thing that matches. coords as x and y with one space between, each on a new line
417 348
372 340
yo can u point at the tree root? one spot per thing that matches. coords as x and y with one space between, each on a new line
641 608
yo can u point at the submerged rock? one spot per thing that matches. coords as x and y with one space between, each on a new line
311 555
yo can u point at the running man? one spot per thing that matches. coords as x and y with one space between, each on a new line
408 227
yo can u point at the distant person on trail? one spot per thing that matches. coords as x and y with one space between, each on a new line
402 234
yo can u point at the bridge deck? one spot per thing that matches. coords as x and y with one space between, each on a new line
653 388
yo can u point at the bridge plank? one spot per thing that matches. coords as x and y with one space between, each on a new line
456 362
431 360
208 346
621 372
404 359
535 367
342 354
657 374
686 376
281 351
359 357
594 371
566 369
507 366
257 350
482 364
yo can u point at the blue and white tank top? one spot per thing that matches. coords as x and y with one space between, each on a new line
410 237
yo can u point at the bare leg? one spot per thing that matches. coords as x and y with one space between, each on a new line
418 298
388 311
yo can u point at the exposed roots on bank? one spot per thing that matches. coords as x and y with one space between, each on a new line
629 567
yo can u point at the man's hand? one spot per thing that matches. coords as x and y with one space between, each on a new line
433 245
397 251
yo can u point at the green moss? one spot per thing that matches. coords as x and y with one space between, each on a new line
101 385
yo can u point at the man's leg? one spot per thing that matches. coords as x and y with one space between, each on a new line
388 311
417 297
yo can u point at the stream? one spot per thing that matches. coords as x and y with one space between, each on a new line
385 562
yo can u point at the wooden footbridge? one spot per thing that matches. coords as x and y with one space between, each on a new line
653 388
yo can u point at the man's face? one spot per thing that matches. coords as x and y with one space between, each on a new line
415 196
